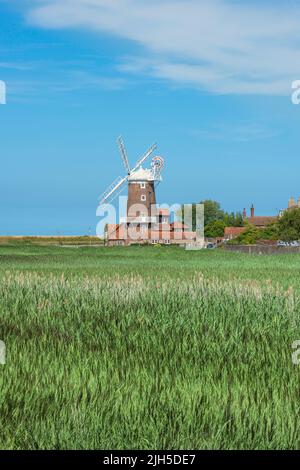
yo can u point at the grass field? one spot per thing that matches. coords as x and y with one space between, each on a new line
148 348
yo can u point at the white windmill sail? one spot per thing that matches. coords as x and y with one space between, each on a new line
123 153
144 157
113 190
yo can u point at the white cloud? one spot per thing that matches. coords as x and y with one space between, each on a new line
234 132
221 46
14 66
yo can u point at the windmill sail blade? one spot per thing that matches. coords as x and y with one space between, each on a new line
113 191
124 154
144 157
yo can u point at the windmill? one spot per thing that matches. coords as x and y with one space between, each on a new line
141 182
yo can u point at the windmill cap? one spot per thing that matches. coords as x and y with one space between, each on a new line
141 175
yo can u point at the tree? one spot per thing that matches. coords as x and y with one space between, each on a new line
212 211
249 236
289 225
270 232
234 219
215 229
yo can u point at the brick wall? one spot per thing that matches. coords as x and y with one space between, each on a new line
258 249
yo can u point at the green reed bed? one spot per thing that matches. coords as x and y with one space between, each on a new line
128 361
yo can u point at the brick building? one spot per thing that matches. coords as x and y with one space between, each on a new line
259 222
145 222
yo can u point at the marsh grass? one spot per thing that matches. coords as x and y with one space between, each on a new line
98 359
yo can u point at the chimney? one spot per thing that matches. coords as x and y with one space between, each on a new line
291 202
252 210
244 214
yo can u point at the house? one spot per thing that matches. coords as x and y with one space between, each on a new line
135 230
233 232
259 222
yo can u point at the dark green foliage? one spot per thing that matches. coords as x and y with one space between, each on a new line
248 237
289 225
215 229
271 232
252 235
213 213
233 219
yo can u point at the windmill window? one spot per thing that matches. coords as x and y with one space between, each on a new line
143 185
143 198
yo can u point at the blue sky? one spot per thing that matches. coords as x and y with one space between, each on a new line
209 81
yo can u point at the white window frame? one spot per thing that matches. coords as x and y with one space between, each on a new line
143 198
143 185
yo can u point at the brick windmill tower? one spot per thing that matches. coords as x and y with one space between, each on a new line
141 186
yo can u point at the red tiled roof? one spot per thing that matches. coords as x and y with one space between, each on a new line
233 231
116 231
111 229
180 225
164 211
261 221
164 227
161 211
